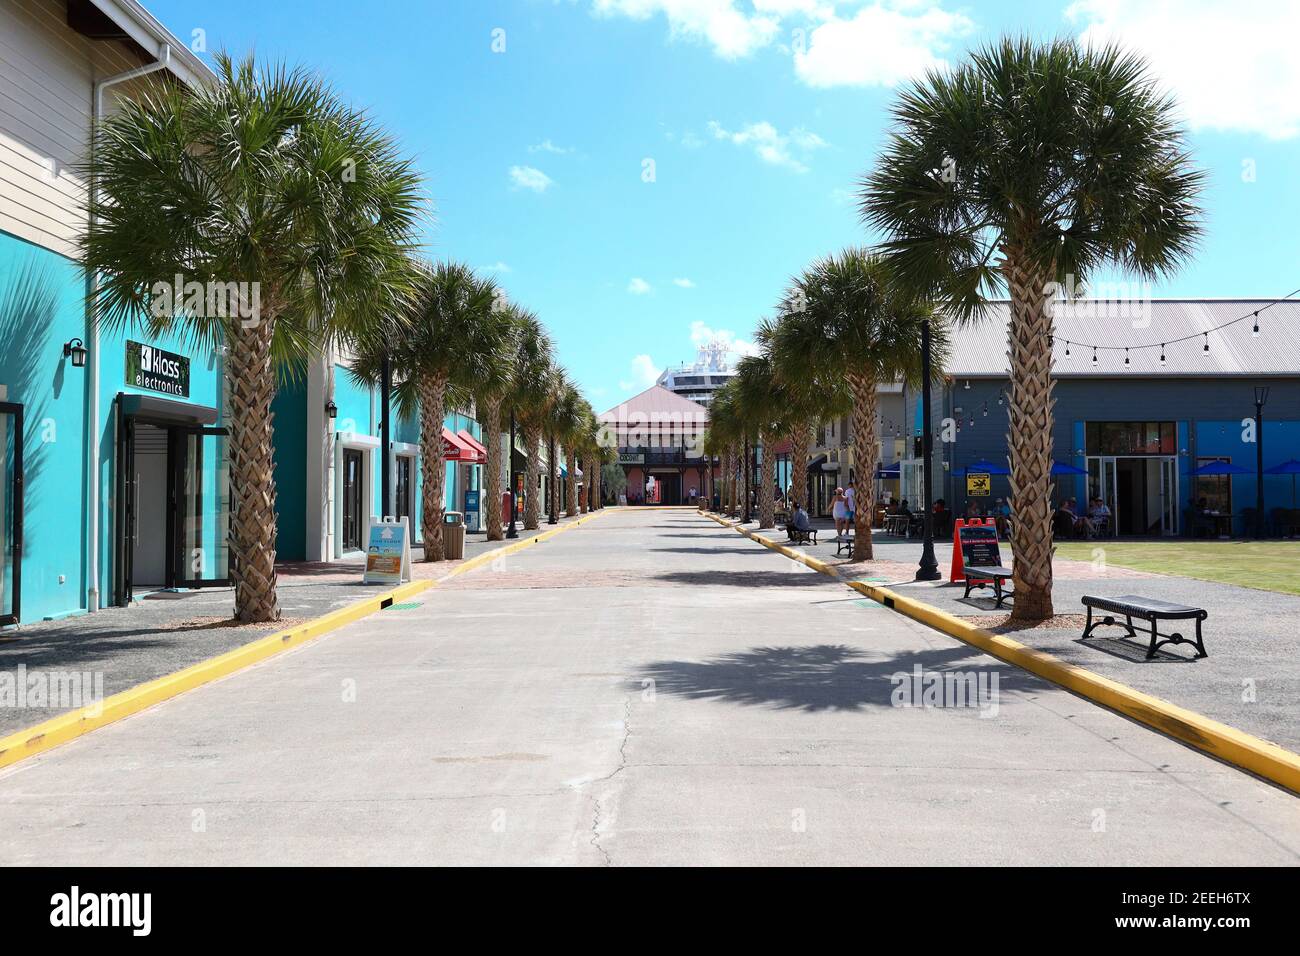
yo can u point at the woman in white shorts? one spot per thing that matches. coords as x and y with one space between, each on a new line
840 512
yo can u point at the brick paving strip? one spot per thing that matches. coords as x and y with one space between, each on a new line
1251 679
168 631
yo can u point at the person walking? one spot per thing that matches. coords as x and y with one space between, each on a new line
840 512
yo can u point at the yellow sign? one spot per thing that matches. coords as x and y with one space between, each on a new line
977 485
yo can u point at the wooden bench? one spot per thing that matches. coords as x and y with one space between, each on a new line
801 537
1151 611
843 544
982 577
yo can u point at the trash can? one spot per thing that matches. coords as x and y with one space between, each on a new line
453 535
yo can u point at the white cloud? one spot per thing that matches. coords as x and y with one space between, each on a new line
644 373
702 334
1231 66
497 266
526 177
770 144
546 146
881 45
731 32
638 286
684 283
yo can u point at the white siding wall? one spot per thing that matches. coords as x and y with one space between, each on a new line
47 76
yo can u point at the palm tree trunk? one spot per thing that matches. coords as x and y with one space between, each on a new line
532 499
252 473
433 467
866 420
553 476
800 440
491 508
767 484
571 486
1030 411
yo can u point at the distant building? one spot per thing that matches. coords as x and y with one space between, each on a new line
659 436
699 380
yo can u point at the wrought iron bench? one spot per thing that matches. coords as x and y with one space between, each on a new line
982 577
843 544
799 536
1149 610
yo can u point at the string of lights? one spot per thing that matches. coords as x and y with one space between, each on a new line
1204 335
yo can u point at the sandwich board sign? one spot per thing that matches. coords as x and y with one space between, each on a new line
974 545
388 551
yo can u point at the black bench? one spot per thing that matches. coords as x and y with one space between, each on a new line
982 577
1150 610
799 536
843 544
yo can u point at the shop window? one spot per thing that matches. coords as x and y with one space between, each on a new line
1216 490
1132 438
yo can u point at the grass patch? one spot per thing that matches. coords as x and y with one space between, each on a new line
1267 565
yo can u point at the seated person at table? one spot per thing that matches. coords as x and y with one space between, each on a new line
903 509
1098 514
973 509
1002 518
1063 521
798 522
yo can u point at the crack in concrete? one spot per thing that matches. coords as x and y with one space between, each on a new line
622 765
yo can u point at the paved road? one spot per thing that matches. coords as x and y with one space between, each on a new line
647 689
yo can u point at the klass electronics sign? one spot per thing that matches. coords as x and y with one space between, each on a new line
157 370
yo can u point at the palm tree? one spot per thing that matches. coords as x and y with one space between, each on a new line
761 404
846 317
529 395
452 341
287 206
727 430
811 395
490 393
1031 165
570 422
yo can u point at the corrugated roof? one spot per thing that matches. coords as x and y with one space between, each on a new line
980 347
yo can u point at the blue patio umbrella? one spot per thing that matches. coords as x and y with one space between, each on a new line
1060 468
888 471
1290 467
1220 468
985 467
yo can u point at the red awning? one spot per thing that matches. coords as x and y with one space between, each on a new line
455 449
479 448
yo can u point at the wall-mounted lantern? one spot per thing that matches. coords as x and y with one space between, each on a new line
331 409
76 350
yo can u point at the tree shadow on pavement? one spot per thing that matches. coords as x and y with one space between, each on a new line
718 550
816 678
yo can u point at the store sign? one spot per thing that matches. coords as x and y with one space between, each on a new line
157 370
631 458
388 552
978 485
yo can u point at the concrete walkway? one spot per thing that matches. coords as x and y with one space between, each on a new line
650 688
166 631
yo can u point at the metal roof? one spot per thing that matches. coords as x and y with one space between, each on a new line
979 348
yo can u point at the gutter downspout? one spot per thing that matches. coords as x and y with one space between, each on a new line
92 336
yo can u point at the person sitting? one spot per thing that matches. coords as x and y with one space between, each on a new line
973 509
1002 518
1063 519
798 522
1098 516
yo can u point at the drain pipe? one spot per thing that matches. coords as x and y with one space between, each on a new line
92 339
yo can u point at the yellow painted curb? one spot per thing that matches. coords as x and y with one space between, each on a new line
1258 756
59 730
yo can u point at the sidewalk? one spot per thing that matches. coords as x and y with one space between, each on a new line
168 631
1250 680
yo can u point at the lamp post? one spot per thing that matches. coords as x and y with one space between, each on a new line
511 531
928 569
1261 396
748 471
552 476
385 438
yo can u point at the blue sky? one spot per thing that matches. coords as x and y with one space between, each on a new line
646 174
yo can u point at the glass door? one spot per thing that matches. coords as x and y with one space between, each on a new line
1169 496
124 508
402 491
353 491
1103 484
201 522
11 512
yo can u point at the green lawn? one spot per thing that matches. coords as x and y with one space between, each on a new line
1269 565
